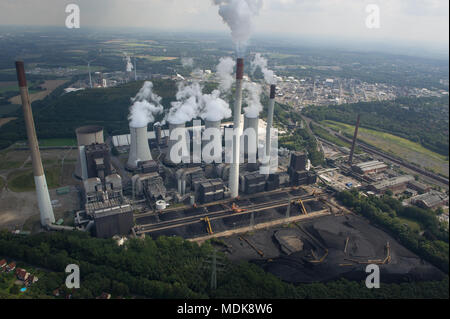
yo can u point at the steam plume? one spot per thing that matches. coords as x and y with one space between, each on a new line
146 105
129 64
254 106
261 62
238 14
215 108
187 62
225 73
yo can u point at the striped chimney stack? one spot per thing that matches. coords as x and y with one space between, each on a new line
43 196
234 173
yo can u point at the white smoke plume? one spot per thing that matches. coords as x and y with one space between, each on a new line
254 106
238 15
187 62
261 62
188 104
224 72
129 64
215 108
146 104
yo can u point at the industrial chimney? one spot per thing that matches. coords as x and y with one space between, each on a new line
139 149
355 137
234 173
43 196
270 112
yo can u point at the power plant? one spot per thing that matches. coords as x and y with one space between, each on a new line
43 196
151 171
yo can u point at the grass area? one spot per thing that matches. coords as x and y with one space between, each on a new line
4 164
401 147
56 142
324 134
415 226
23 180
392 139
8 108
7 282
2 183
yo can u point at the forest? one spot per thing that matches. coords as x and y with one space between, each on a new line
421 120
433 246
171 268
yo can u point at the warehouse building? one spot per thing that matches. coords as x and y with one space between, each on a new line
396 185
371 167
431 200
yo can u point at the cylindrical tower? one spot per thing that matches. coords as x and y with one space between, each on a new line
172 143
43 196
213 125
234 173
251 141
139 148
270 112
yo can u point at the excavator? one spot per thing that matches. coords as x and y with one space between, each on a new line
208 225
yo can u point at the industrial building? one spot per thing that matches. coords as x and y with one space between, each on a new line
395 184
431 200
372 167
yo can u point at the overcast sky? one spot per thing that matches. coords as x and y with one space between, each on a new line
417 21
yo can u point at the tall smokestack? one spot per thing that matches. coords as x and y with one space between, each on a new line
270 112
355 137
139 149
234 173
43 196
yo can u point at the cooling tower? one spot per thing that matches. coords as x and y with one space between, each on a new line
43 196
270 112
251 141
234 173
139 149
86 135
215 125
172 143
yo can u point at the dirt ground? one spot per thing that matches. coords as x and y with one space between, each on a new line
49 86
327 237
19 210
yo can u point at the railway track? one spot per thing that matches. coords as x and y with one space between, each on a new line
228 212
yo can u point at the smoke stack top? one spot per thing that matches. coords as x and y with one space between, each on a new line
240 69
273 89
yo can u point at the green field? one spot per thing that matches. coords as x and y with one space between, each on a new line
8 109
415 226
401 147
23 180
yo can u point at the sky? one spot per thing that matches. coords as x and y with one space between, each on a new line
421 22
